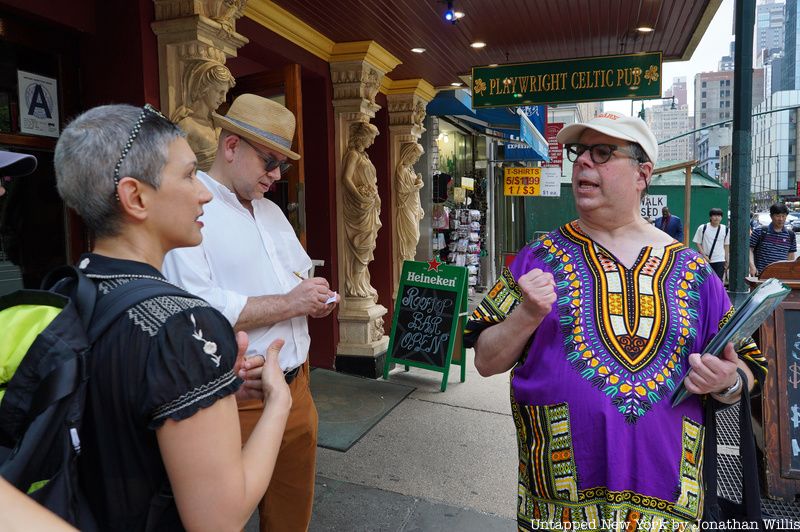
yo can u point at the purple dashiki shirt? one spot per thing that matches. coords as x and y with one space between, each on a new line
600 445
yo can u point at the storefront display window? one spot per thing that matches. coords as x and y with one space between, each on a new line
459 206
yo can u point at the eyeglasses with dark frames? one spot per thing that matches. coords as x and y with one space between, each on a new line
598 153
270 162
137 127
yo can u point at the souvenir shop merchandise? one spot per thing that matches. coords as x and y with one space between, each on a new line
457 222
465 243
440 222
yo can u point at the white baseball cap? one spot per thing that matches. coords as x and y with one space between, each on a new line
614 125
16 164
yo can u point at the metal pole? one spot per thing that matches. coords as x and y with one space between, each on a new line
742 145
687 204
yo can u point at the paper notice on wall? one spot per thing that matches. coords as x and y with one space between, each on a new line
551 182
38 104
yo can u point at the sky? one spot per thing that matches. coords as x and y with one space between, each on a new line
714 44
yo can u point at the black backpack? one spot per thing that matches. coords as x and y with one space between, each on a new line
41 410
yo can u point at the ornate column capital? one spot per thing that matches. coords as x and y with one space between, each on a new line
355 85
407 100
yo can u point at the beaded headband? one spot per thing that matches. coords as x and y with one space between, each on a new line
132 137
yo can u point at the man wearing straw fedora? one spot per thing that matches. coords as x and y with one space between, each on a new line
252 268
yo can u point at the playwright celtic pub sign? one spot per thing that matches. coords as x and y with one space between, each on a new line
613 77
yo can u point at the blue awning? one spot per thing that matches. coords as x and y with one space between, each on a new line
502 122
532 136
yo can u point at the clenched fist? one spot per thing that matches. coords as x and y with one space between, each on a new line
538 293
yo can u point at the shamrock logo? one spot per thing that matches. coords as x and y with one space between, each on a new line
651 75
480 86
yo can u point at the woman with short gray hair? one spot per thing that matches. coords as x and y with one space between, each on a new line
161 445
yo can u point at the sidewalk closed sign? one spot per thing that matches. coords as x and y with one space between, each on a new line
651 206
428 318
532 182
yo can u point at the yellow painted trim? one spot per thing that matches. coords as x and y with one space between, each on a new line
418 87
386 85
291 28
369 51
702 27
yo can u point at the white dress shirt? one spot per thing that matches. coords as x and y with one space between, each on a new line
244 255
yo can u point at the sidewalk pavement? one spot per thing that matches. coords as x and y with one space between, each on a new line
437 462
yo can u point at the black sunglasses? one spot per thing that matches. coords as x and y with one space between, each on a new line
599 153
270 162
137 127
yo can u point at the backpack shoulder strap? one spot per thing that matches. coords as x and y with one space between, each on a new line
64 379
122 298
70 281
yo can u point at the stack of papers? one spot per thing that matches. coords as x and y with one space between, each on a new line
758 306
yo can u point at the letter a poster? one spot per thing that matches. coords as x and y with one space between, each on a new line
38 104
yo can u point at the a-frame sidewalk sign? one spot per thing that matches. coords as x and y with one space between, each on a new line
428 320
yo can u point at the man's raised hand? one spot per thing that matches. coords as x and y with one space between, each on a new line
538 294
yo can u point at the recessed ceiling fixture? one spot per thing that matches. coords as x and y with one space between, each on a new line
493 65
456 84
478 44
418 50
458 14
644 29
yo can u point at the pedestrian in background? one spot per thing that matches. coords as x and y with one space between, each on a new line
713 242
772 243
670 224
754 223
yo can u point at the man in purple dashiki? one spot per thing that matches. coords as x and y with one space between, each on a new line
609 314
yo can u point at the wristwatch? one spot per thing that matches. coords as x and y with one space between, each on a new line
730 390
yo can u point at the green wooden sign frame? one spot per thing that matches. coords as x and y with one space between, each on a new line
586 79
444 278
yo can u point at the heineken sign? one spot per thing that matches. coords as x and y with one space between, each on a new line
613 77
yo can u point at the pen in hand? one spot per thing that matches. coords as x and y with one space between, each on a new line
331 299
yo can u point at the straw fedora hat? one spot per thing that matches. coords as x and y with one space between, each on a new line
262 121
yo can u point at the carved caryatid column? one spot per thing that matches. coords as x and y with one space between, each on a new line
408 211
195 37
355 85
407 100
206 82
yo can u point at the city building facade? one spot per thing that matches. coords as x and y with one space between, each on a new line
668 122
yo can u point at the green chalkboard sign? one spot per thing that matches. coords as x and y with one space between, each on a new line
428 318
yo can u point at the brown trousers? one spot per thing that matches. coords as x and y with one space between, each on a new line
286 507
